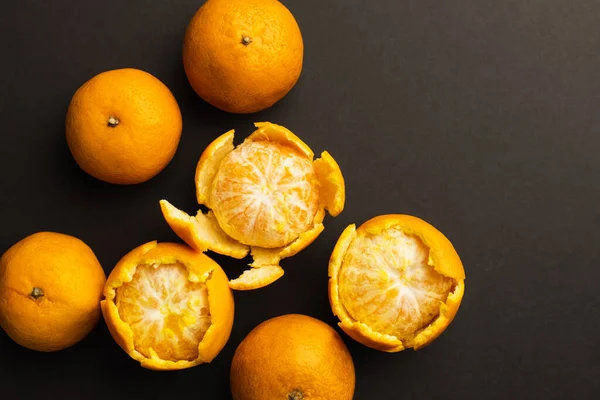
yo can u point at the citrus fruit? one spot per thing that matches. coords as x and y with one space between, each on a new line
50 291
168 306
396 282
123 126
242 56
267 196
292 357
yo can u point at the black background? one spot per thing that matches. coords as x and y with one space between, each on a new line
479 116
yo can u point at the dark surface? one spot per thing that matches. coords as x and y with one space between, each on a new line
478 116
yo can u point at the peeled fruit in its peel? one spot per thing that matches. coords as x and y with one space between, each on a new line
50 291
168 306
292 357
396 282
266 197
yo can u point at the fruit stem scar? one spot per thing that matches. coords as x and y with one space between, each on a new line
113 121
36 293
295 395
246 40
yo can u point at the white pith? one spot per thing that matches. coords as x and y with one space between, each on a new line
166 312
386 282
265 194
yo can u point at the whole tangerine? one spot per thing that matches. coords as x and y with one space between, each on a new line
123 126
50 291
292 357
243 56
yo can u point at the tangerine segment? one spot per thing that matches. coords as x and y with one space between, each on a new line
167 313
386 283
265 194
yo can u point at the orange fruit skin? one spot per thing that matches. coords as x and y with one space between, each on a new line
143 141
442 257
220 299
68 273
292 353
238 77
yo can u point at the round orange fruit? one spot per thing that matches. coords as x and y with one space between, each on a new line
243 56
50 291
123 126
396 282
267 196
168 306
292 357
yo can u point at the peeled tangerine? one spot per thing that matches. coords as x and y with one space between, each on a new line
266 196
168 306
396 282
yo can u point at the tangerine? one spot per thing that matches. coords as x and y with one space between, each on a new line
396 282
168 306
267 196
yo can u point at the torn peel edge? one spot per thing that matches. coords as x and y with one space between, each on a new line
448 311
266 261
331 181
116 280
439 246
265 257
257 277
122 332
267 131
124 338
209 163
358 331
362 332
202 232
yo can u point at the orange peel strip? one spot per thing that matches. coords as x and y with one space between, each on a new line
265 266
277 133
264 256
209 164
333 188
256 278
202 232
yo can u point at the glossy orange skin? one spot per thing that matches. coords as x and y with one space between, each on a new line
289 355
243 56
123 126
68 279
